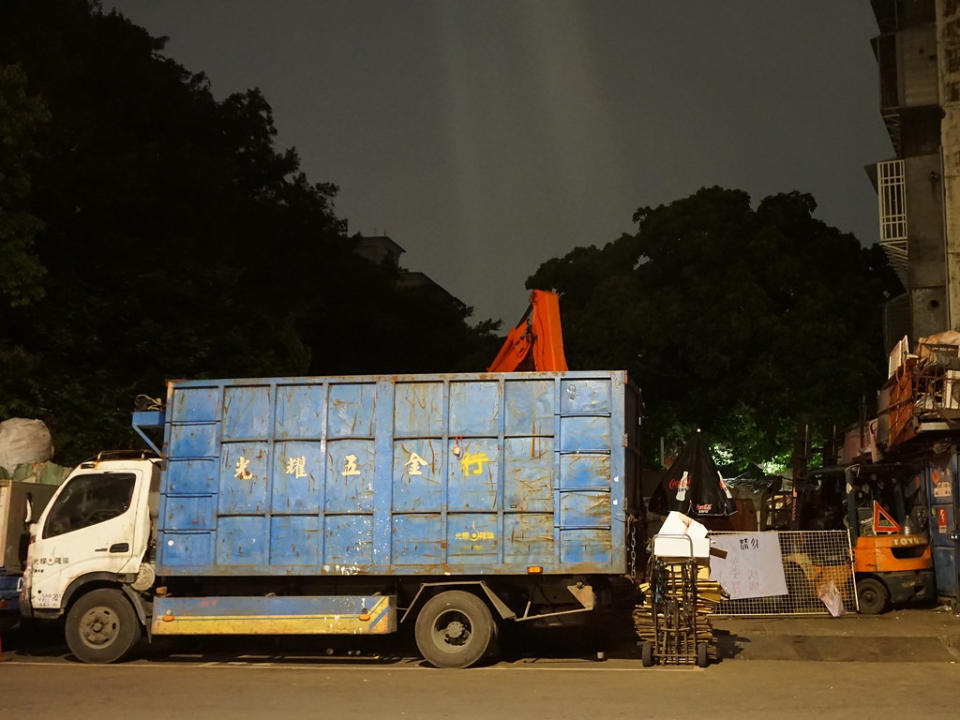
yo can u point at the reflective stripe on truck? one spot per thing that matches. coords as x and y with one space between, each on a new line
292 615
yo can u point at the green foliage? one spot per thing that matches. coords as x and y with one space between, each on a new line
736 320
177 241
21 115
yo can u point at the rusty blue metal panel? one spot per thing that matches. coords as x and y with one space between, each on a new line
294 540
584 396
585 547
193 477
246 413
243 478
185 551
418 409
241 540
300 410
350 467
396 475
298 469
417 477
585 509
473 474
585 434
585 472
529 407
195 405
348 543
191 512
351 410
474 409
528 539
416 541
528 483
192 441
472 539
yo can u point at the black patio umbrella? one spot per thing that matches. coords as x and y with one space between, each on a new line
693 485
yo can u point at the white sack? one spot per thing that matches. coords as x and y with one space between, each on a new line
24 441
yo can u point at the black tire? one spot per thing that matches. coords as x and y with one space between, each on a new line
102 627
872 595
646 654
702 659
454 629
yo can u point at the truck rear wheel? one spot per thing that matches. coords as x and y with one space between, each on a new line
102 627
454 629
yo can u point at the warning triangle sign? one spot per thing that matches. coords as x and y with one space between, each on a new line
883 522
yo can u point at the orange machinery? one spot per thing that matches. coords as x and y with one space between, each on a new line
536 343
892 560
883 508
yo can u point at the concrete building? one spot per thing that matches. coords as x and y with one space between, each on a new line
918 189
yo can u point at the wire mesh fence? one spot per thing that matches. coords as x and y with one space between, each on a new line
812 560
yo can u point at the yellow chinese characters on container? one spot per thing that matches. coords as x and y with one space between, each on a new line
475 535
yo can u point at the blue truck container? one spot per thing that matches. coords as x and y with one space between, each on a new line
349 505
470 474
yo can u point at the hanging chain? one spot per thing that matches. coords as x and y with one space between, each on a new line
632 523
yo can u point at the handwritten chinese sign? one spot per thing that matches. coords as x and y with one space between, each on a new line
753 566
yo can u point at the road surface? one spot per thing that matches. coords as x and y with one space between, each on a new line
555 689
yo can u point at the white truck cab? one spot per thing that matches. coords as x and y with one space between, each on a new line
88 557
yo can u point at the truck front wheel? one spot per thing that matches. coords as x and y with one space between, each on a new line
454 629
102 627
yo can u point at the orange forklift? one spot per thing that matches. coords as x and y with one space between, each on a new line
883 508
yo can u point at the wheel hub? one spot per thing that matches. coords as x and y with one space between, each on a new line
452 629
98 627
455 630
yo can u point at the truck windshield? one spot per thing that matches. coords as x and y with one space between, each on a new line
88 500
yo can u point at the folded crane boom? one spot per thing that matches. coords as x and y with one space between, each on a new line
536 343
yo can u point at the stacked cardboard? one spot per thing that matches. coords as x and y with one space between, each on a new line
682 577
709 595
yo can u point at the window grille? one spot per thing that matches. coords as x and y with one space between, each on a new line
892 197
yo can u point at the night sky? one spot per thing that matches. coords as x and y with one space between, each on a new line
488 137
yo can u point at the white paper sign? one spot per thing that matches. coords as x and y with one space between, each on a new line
753 566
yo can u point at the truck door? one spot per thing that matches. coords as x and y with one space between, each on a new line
942 493
89 527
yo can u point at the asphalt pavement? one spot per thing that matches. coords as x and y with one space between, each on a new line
848 667
614 689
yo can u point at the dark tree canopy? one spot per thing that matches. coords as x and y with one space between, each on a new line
149 231
736 320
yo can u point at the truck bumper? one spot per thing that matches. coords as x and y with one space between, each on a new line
910 586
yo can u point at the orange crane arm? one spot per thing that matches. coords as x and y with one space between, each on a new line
536 343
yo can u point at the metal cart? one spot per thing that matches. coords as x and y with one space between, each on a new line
673 588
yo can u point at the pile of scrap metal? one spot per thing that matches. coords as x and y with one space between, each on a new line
673 618
922 391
